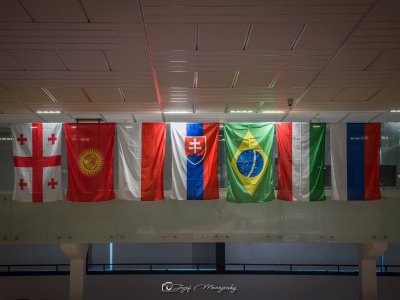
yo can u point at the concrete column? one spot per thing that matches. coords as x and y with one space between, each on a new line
77 260
368 254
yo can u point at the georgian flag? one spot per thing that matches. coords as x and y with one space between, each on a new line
37 162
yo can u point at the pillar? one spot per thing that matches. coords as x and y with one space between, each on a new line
367 255
77 260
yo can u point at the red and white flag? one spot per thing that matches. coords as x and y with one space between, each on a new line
37 162
141 150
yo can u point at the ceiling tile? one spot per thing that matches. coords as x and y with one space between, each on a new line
210 106
289 79
55 11
148 117
359 117
330 117
300 116
12 11
353 59
19 118
118 118
5 96
323 35
274 104
388 94
273 36
111 11
197 117
64 118
140 94
176 79
86 116
7 63
83 60
388 117
356 94
222 36
29 94
13 107
384 10
254 79
253 117
243 106
221 79
178 106
321 94
124 60
104 94
68 94
389 60
172 36
40 60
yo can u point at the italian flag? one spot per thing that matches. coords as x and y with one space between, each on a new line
301 160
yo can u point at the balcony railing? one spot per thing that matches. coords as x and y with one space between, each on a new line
196 268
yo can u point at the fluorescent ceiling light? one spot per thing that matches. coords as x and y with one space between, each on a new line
47 92
178 101
178 112
272 112
241 111
395 110
178 98
48 112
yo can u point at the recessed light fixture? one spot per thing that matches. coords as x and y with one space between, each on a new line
178 112
272 112
48 112
241 111
178 99
395 110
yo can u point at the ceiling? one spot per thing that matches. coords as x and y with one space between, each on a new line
145 60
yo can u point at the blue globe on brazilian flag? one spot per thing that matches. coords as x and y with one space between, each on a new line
249 155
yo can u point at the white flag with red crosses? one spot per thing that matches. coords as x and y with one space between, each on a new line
37 162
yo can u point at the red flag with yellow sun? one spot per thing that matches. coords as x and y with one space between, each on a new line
90 154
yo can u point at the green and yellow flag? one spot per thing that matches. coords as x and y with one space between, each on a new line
250 161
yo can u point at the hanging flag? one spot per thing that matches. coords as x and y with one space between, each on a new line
301 161
141 149
37 162
194 161
250 162
90 154
355 161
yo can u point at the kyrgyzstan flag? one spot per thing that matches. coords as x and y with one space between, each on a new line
90 154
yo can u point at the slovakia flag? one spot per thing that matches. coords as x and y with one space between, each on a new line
194 161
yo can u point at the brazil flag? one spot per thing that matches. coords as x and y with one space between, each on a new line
250 161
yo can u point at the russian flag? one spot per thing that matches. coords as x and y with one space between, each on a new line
355 161
194 161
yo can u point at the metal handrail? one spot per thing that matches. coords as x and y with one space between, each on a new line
244 268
